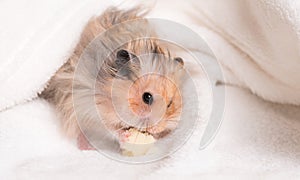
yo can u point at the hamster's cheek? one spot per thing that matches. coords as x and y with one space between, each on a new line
161 126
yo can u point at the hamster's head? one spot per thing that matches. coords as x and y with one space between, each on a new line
142 90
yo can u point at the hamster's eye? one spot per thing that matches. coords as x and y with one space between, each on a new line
123 54
179 60
147 98
122 58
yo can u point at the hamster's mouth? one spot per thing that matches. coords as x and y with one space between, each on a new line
158 135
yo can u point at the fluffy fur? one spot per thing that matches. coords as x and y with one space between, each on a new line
116 82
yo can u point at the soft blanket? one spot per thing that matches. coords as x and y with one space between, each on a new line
257 139
36 39
258 42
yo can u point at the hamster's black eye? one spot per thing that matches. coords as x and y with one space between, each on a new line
123 54
179 60
122 58
147 98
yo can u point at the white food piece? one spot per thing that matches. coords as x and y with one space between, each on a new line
136 143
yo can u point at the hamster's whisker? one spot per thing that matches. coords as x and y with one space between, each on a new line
66 103
173 120
121 128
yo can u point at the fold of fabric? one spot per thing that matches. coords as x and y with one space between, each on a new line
36 39
265 36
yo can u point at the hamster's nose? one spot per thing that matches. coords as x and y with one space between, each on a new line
148 98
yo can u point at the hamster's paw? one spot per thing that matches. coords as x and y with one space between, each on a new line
83 143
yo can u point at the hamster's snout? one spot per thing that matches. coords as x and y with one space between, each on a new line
155 101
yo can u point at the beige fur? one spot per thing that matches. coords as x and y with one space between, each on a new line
157 73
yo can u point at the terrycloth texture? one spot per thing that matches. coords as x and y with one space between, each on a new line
257 140
36 39
257 42
32 146
265 35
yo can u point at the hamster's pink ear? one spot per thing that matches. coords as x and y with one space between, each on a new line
179 60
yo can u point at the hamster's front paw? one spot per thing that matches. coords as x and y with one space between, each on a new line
83 143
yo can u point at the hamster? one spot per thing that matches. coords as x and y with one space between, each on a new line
148 88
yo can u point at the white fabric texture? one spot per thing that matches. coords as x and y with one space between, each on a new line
266 40
257 43
257 140
36 39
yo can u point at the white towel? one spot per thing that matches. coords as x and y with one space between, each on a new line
36 38
257 139
258 41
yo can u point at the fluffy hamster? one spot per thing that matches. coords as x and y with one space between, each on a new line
147 87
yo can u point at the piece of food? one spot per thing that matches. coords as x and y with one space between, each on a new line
136 143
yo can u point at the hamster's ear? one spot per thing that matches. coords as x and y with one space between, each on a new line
179 60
